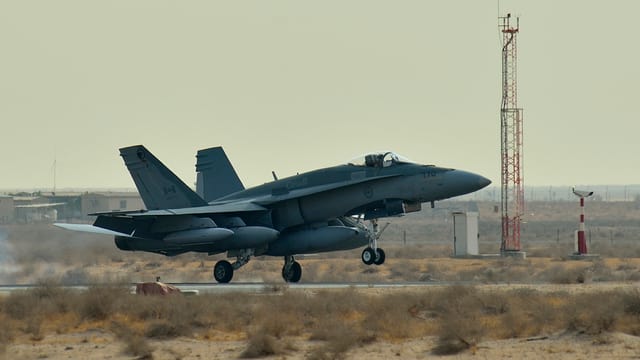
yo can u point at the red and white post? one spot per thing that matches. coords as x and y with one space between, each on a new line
582 242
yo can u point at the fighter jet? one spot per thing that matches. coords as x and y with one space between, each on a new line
318 211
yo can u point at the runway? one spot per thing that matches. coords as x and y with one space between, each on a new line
216 288
270 288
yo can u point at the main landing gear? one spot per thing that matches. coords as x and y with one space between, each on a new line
291 271
223 270
372 254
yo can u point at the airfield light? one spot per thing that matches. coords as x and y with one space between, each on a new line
582 244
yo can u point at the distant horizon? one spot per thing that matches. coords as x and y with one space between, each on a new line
605 192
119 188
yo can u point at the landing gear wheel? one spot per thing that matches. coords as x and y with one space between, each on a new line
223 271
380 257
368 256
293 274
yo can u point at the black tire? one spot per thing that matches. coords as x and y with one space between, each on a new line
294 274
368 256
380 257
223 271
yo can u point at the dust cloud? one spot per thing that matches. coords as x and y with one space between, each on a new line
29 253
7 265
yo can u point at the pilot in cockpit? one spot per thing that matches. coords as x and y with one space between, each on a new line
374 160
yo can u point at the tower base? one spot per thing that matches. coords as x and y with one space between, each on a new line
514 254
576 256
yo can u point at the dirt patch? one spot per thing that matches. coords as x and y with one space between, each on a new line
88 345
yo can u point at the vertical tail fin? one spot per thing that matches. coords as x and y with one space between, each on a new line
158 186
215 174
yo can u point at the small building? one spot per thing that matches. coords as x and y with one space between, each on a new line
465 233
6 209
30 208
79 204
34 213
110 201
64 206
19 200
72 205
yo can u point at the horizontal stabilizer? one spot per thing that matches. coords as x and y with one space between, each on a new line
90 229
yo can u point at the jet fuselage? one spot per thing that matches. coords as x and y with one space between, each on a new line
352 190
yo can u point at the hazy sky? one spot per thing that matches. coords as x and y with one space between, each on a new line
296 85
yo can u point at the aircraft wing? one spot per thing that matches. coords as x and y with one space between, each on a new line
90 229
222 208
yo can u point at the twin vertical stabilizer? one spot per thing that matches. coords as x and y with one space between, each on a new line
162 189
215 174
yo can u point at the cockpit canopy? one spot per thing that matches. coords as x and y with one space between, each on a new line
380 159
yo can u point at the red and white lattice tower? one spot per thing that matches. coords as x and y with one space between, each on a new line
512 181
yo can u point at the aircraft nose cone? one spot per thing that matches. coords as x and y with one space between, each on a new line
483 182
475 181
464 182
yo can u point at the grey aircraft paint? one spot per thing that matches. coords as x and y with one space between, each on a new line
317 211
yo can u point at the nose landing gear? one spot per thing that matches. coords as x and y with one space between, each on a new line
372 254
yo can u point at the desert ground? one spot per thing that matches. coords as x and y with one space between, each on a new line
544 306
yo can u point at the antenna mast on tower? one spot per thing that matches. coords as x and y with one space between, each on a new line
512 194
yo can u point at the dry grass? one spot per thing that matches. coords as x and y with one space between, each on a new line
339 341
261 345
135 345
6 334
460 317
